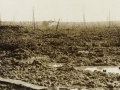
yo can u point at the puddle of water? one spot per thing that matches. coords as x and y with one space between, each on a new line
55 65
107 69
112 70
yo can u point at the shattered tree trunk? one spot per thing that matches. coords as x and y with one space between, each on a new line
33 22
0 21
57 25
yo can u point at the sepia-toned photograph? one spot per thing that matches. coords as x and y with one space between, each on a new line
59 44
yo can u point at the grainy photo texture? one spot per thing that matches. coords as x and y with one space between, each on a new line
59 45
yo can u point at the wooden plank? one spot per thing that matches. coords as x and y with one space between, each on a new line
22 83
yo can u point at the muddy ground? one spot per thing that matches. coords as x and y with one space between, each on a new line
99 46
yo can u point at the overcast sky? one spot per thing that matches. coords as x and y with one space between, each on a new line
66 10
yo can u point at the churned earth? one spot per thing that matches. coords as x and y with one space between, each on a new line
26 55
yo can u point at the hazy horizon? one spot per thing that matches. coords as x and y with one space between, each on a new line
65 10
64 21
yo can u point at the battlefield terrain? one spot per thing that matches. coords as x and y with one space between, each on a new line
48 56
